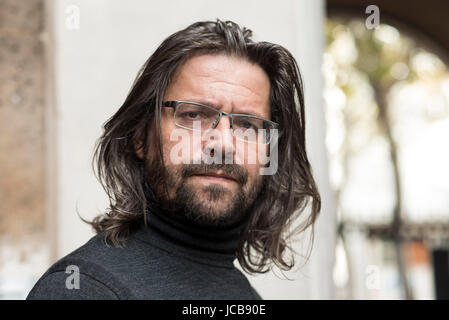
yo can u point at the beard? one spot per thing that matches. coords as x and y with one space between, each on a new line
211 204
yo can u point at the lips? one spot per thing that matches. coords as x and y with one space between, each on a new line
216 175
224 173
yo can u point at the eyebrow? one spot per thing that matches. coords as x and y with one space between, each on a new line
218 106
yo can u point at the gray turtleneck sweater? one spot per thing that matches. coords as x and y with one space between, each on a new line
169 259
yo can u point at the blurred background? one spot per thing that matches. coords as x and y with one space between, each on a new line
377 116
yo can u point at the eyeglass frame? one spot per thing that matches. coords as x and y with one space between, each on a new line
174 104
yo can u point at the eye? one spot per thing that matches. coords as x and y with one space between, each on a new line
247 125
193 115
190 115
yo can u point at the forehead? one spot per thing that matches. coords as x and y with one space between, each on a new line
231 82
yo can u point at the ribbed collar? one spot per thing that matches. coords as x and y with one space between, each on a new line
178 235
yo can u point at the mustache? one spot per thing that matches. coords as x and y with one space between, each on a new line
234 171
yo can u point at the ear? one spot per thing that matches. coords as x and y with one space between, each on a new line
138 148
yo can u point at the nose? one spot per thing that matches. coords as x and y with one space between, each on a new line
225 142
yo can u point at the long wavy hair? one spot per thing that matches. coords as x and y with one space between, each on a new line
286 194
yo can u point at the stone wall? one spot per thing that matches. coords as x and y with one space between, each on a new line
22 158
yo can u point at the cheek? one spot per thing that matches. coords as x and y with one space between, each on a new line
176 144
250 155
167 143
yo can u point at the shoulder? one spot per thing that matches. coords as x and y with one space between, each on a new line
59 285
90 272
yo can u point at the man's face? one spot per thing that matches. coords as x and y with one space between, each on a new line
217 194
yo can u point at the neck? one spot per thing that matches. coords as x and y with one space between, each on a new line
184 231
174 232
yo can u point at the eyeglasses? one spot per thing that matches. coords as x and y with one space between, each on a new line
244 127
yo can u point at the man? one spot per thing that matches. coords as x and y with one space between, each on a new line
187 194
